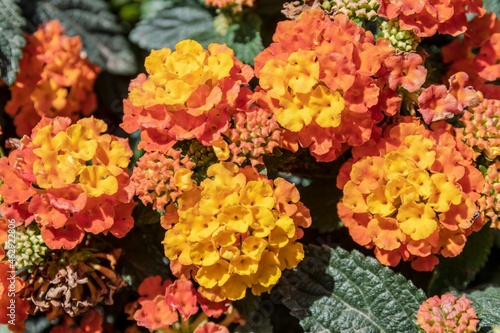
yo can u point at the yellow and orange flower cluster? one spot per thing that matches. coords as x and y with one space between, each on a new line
477 54
427 17
412 195
237 230
189 93
69 179
164 305
332 82
54 79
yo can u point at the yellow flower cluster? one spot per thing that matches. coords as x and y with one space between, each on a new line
79 154
302 99
175 76
237 231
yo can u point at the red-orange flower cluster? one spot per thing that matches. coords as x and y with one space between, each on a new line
189 93
477 54
69 179
427 17
438 102
165 305
412 195
54 79
331 82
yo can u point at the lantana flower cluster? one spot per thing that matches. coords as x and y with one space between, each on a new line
411 195
427 17
69 179
477 54
189 93
54 79
175 307
332 82
237 230
447 314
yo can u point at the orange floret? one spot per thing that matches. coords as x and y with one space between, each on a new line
54 79
69 179
331 82
411 195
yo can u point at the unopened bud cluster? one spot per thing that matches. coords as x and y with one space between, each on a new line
404 40
30 248
355 9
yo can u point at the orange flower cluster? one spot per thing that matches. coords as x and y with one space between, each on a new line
477 54
14 310
160 178
254 133
235 5
481 129
237 230
427 17
54 79
447 314
491 192
412 195
189 93
438 102
171 307
69 179
331 82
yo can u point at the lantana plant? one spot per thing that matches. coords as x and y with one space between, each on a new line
249 166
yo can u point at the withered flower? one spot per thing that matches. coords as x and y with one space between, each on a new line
73 282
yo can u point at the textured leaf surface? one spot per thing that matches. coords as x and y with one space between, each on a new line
458 272
492 6
170 26
487 304
256 314
11 39
333 290
96 25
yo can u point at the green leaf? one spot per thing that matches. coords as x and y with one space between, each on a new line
492 6
487 305
333 290
11 39
244 38
458 272
256 313
170 26
100 32
149 8
146 214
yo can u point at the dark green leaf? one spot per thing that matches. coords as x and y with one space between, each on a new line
96 25
170 26
11 39
244 38
256 313
458 272
492 6
487 305
146 214
149 8
333 290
